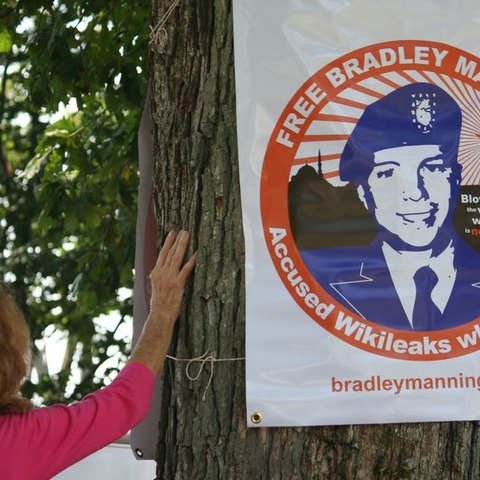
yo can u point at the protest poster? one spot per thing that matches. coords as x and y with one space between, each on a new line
359 150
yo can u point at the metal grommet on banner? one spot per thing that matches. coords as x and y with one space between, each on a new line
256 418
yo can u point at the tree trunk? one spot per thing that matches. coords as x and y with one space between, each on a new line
203 432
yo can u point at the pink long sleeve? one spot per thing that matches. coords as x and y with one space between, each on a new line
39 444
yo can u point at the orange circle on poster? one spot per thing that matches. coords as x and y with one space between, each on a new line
321 116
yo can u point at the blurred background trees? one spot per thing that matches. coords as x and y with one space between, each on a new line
72 86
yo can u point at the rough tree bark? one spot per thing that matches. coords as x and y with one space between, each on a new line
197 187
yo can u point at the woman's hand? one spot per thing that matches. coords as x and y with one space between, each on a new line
168 277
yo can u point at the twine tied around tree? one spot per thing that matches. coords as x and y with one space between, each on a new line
207 357
158 34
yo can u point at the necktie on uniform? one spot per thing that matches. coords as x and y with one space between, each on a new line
424 311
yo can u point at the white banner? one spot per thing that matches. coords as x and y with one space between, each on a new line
359 147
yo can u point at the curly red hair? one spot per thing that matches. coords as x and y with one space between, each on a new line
15 356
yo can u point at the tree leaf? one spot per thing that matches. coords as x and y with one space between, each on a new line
5 41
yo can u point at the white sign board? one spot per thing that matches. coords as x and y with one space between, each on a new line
359 148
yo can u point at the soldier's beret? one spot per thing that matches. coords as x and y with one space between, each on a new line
415 114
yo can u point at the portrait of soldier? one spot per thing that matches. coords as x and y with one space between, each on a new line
417 274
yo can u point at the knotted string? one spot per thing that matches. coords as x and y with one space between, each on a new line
158 34
207 357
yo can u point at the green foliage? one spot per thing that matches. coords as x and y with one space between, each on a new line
68 183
